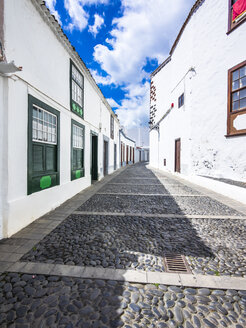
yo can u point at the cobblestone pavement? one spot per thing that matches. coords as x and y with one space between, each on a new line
140 243
52 301
155 222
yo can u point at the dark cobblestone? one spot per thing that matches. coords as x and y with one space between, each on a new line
140 243
77 309
200 205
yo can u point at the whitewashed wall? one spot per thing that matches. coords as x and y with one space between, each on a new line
46 65
130 143
142 155
201 123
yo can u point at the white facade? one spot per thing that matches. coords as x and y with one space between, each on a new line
32 38
198 68
142 154
127 150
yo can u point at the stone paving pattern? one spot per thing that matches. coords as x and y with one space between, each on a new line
212 246
156 204
140 243
176 189
51 301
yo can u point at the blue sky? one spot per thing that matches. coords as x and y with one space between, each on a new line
122 42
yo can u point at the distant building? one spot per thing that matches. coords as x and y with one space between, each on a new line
57 131
198 95
142 154
127 149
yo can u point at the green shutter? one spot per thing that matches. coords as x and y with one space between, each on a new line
38 158
77 155
43 158
50 158
76 108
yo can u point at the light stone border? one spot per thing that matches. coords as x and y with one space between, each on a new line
142 184
168 216
185 280
136 194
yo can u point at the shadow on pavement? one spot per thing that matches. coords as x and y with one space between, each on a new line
121 241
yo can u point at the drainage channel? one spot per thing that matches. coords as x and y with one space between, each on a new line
176 263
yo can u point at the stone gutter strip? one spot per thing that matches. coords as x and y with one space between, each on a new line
185 280
168 216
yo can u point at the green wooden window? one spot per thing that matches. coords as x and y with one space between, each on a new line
77 150
43 146
76 90
112 126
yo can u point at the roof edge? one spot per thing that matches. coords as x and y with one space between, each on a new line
193 9
166 61
61 36
122 132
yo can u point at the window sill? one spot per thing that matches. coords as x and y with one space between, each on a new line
231 29
235 135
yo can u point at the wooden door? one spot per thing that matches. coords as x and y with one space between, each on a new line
127 151
177 155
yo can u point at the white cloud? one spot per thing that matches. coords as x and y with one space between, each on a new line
145 31
104 80
79 16
134 109
98 23
51 5
112 103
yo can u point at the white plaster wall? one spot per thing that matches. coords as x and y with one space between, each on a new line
35 47
201 122
129 143
2 153
45 75
217 156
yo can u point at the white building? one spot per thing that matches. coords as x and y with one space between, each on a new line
142 154
57 131
198 95
127 149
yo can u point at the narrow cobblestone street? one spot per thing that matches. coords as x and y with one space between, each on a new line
98 260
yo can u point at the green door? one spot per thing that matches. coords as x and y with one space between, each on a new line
94 157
